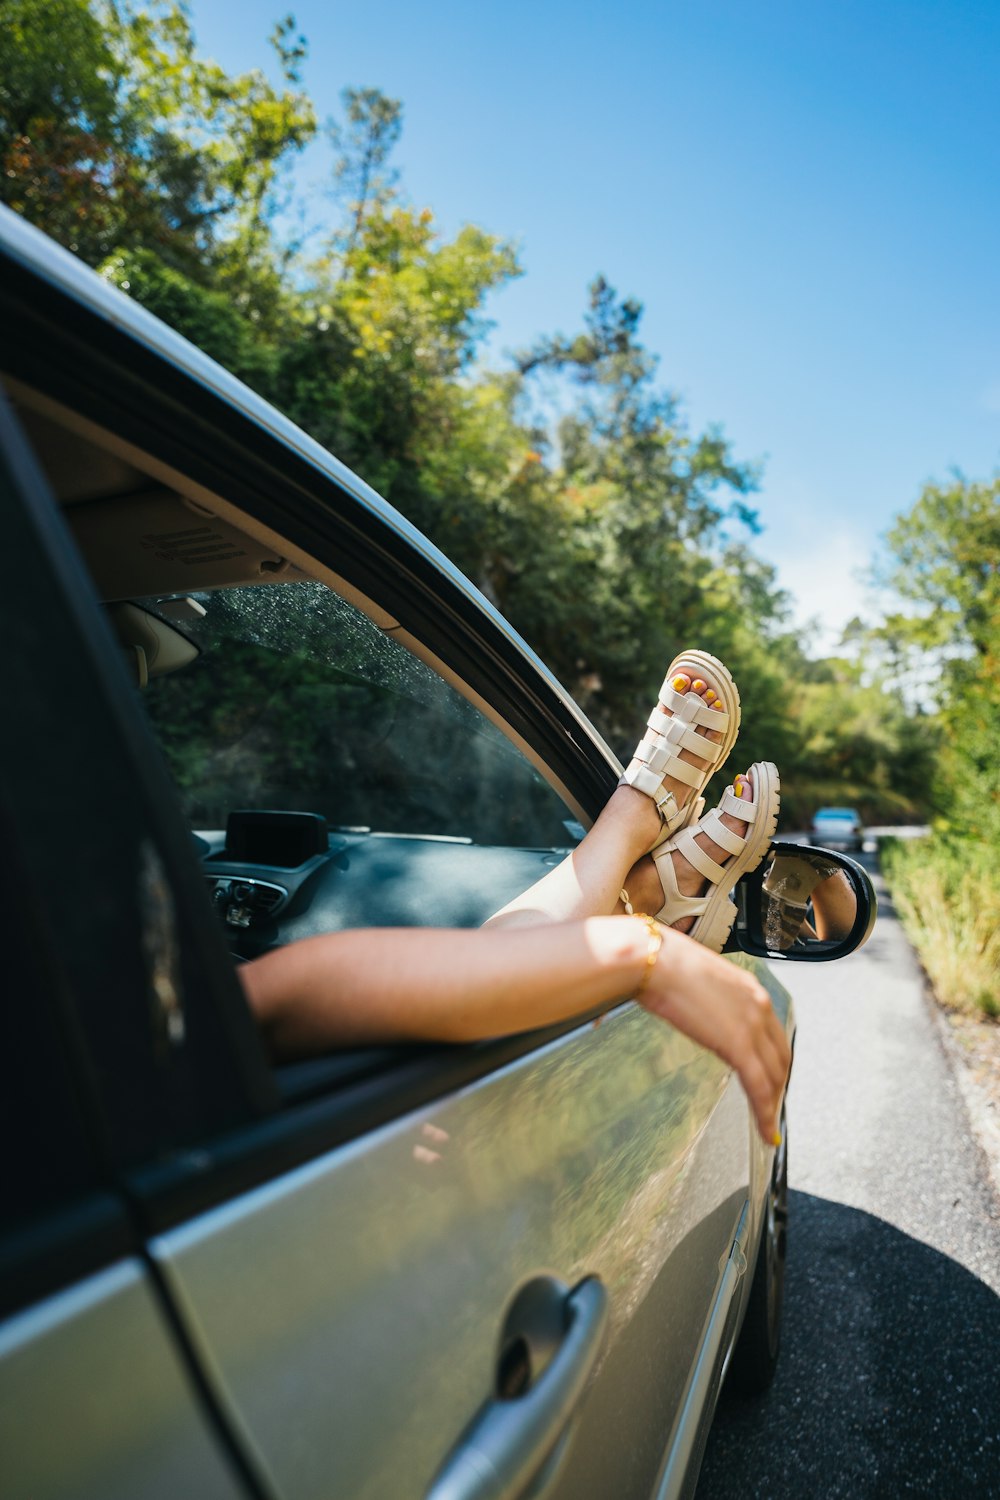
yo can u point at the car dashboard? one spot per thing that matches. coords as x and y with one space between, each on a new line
363 879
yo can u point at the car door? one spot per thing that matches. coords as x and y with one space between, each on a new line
371 1271
437 1219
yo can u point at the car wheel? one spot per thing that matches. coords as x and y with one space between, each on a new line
755 1357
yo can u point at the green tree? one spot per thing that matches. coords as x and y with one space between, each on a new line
61 128
114 130
609 535
945 557
660 523
363 144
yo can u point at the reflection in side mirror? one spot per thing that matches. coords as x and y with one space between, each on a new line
804 903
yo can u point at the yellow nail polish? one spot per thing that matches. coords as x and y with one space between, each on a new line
679 683
709 696
738 785
697 686
776 1141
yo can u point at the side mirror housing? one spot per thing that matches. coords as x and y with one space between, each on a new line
803 903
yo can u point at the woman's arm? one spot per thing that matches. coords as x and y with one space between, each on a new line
407 984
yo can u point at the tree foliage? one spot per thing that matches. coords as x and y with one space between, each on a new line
610 535
945 562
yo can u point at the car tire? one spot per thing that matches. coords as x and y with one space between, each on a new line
755 1357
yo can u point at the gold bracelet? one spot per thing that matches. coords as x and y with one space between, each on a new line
652 952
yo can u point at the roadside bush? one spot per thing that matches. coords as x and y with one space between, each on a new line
948 899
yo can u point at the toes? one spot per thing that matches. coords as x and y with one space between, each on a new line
681 683
712 700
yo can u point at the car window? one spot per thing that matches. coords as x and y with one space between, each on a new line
298 701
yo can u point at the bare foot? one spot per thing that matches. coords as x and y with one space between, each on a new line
643 884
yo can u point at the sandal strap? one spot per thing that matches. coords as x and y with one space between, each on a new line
674 901
643 780
641 777
676 733
741 807
785 916
658 757
695 855
691 707
666 804
726 838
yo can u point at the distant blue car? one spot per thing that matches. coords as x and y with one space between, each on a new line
837 828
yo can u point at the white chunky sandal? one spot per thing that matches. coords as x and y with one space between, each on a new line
657 753
715 911
788 886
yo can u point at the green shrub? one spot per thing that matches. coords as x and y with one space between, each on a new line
947 894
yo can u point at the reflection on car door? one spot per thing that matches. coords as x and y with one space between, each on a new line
353 1308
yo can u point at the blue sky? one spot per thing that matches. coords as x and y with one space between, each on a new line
805 197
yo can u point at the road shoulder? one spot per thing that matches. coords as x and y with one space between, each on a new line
974 1047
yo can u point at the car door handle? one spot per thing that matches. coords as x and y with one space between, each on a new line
514 1445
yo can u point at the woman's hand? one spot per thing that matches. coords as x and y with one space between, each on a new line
728 1010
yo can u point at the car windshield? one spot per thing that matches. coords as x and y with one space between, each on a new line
299 701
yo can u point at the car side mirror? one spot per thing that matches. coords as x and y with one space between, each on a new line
803 903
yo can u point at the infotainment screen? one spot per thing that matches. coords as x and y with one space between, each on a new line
286 839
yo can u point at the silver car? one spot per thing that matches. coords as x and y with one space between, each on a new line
248 702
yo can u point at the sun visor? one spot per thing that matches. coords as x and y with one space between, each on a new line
158 543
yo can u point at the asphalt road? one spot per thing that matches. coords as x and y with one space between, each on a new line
889 1378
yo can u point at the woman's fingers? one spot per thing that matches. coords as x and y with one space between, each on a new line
729 1011
764 1099
761 1056
775 1054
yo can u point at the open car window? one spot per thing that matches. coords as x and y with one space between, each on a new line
297 701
